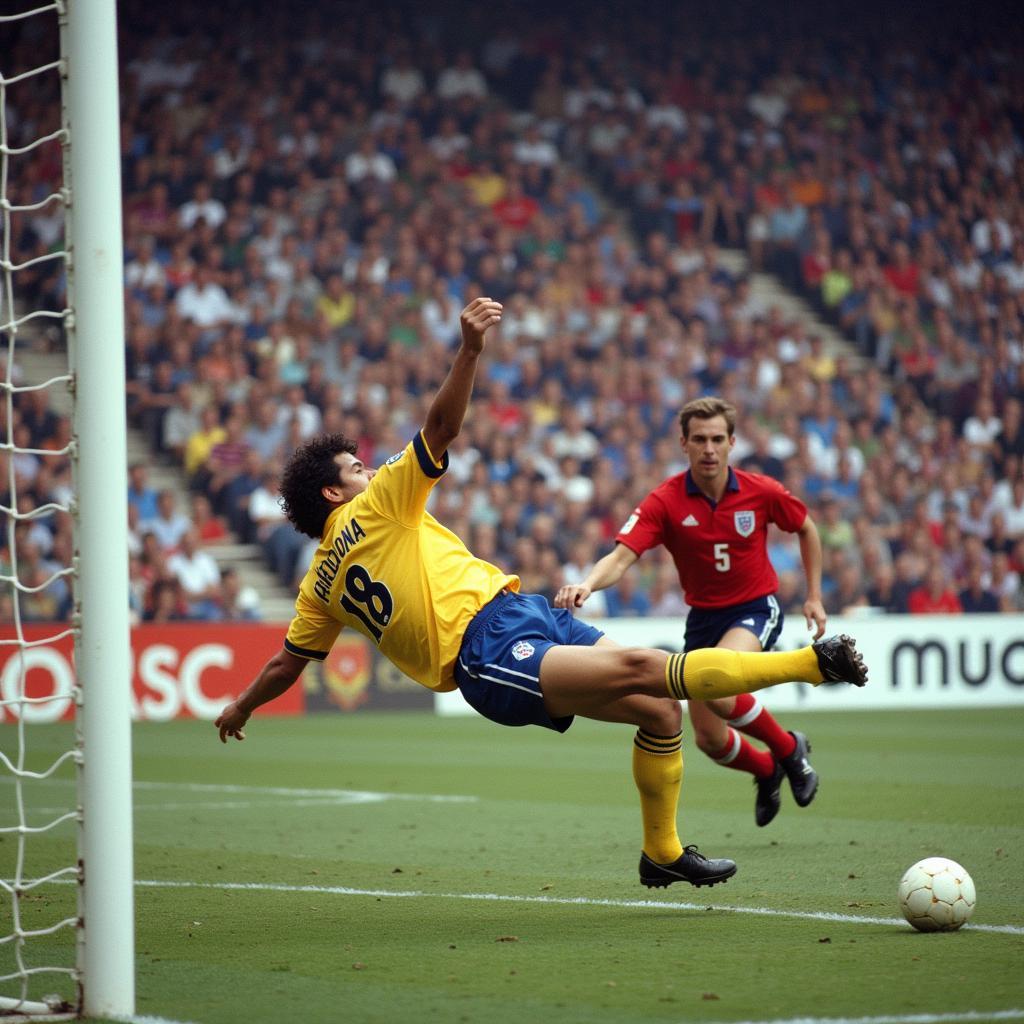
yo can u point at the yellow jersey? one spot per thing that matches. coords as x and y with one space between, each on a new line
388 569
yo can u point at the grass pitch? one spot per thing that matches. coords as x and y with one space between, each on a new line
376 868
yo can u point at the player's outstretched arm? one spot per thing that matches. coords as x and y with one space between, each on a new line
448 410
606 573
810 555
275 677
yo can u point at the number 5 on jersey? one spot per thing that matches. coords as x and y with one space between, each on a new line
722 562
368 600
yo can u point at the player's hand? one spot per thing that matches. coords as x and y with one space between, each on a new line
814 614
572 595
480 315
230 722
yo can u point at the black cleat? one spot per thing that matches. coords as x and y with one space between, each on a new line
766 805
692 866
840 661
803 779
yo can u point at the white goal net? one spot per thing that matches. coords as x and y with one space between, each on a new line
66 938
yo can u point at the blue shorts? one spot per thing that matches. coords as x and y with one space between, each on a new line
763 617
498 667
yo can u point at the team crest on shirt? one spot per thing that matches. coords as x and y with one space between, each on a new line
522 649
394 458
744 523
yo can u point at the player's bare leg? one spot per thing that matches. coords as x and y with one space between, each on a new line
582 680
717 728
718 723
658 775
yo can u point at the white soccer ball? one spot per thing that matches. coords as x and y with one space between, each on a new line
936 895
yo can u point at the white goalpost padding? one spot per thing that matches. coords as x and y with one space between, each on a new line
93 322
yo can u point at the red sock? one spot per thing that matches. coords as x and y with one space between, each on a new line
739 754
752 717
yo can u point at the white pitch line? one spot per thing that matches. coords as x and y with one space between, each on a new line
586 901
966 1017
348 795
351 796
230 805
149 1020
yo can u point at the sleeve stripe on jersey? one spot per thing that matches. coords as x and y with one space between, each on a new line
427 464
302 652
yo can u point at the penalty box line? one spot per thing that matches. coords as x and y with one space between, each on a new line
575 901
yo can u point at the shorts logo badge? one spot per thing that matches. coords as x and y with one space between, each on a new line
522 649
744 523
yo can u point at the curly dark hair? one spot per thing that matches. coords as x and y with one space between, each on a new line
310 468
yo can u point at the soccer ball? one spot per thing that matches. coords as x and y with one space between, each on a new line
936 895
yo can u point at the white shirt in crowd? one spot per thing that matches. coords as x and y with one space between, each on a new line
405 84
196 572
205 305
455 82
211 210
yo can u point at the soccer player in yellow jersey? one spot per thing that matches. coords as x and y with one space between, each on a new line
387 569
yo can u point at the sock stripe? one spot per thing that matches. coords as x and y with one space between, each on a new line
730 751
651 744
659 736
745 719
674 671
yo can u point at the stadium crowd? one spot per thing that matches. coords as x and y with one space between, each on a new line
304 221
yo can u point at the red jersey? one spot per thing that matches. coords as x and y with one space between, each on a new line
720 550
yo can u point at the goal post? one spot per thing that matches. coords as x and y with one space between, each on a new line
80 112
102 650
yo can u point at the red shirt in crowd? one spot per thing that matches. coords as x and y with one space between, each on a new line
516 212
923 602
905 279
720 550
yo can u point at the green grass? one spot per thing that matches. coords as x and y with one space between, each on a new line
551 818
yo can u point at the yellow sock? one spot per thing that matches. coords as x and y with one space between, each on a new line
658 773
717 672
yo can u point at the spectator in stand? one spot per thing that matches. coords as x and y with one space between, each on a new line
209 528
625 598
203 301
143 270
266 434
883 592
198 576
403 80
983 426
225 462
200 443
140 494
181 421
369 167
166 603
975 596
461 79
238 603
169 525
935 596
203 206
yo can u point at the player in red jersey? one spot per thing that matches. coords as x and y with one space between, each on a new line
714 521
